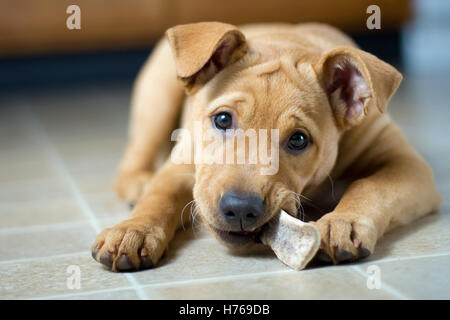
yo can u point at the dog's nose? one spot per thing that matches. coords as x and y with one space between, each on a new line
241 211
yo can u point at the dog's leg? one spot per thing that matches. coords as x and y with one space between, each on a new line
155 107
139 241
398 187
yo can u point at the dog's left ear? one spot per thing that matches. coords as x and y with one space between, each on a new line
203 49
355 81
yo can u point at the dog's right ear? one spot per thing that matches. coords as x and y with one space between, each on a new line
203 49
356 81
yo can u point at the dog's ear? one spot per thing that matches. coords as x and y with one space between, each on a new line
355 81
202 49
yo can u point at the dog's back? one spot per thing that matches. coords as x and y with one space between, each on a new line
317 36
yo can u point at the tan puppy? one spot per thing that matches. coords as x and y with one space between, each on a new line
326 99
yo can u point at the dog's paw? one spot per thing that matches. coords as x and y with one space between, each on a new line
131 186
130 245
345 237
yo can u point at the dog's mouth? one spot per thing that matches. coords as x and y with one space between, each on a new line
238 238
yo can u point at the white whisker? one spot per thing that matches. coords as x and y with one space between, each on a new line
332 188
194 214
182 212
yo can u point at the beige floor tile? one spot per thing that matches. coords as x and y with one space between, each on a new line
324 283
433 147
92 173
421 102
444 190
45 241
40 212
107 205
92 128
14 130
435 151
13 137
26 167
34 190
426 236
105 102
421 278
48 277
189 258
419 108
99 183
11 113
440 166
81 151
126 294
110 222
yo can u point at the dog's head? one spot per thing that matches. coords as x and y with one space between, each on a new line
294 101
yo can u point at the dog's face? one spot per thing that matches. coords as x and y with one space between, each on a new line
242 197
289 105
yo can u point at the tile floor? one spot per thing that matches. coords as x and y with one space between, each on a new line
58 153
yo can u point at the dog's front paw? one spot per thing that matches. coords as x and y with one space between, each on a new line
130 245
130 186
345 237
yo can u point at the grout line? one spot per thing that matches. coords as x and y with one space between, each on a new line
209 279
142 295
136 286
384 286
385 260
59 163
27 203
35 124
201 239
41 227
75 294
64 255
59 225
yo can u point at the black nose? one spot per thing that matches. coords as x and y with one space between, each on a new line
241 211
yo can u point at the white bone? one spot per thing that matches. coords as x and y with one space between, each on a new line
294 242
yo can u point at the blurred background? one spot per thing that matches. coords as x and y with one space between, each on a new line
37 49
116 36
64 103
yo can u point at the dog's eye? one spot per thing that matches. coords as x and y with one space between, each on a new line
298 141
223 121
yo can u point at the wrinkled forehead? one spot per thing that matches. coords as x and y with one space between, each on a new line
279 85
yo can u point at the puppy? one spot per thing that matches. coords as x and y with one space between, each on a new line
337 149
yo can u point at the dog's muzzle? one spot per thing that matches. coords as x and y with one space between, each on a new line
239 238
241 212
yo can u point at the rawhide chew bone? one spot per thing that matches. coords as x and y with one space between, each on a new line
294 242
